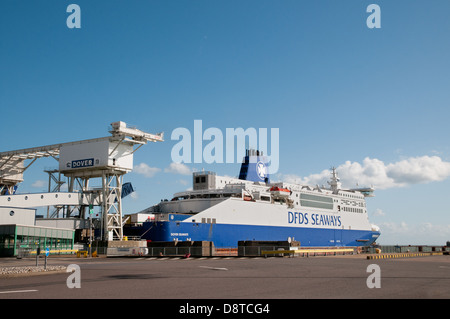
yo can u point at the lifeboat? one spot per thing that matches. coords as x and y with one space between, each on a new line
247 196
279 191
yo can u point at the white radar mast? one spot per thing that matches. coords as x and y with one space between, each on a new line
335 183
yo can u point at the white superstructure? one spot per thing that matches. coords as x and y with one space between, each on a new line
255 210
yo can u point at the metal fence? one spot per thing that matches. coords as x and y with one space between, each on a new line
242 251
180 251
251 251
406 249
23 252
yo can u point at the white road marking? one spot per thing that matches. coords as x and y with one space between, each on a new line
17 291
213 268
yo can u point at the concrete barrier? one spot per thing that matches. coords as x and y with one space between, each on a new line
325 251
405 255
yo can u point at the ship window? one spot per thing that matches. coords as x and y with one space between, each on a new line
316 198
308 203
309 200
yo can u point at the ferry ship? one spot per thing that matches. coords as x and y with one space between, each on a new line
227 210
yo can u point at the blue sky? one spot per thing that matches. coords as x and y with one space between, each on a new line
372 102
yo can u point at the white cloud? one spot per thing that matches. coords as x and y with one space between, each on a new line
396 228
39 184
419 170
373 172
134 195
146 170
423 234
379 212
178 168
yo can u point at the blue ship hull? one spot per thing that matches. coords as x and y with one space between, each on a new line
228 235
230 210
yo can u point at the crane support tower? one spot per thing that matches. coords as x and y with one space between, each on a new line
108 158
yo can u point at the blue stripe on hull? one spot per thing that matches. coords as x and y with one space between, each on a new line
228 235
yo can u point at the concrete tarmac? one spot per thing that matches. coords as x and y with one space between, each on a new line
336 277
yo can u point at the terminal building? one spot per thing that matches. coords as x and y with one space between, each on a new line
69 213
19 235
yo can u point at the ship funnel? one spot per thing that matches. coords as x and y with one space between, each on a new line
254 167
